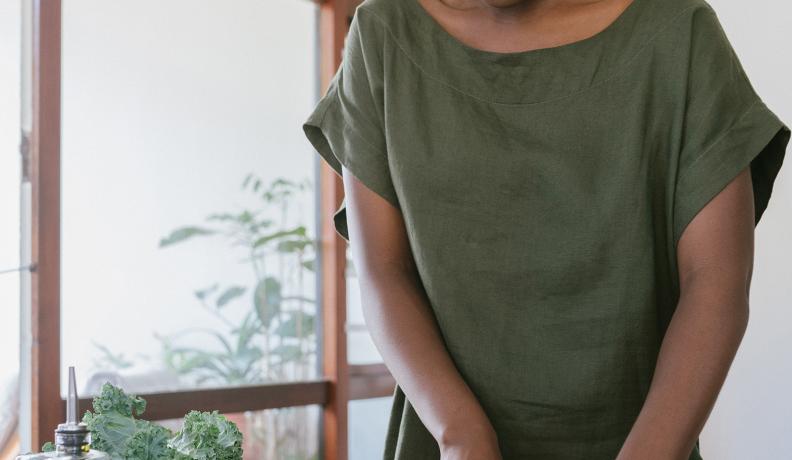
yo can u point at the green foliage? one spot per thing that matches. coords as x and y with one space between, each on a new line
183 234
266 327
109 360
296 325
207 436
116 431
267 300
245 352
150 441
113 400
229 295
234 364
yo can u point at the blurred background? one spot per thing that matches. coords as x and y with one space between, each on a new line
188 219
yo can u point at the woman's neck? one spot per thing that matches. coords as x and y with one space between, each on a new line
519 25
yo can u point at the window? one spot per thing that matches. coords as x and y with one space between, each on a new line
178 224
187 230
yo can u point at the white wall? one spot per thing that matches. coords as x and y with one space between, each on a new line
753 415
167 106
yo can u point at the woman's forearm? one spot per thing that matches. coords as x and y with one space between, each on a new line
697 351
405 332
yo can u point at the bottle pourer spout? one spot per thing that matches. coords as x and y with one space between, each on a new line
72 437
72 399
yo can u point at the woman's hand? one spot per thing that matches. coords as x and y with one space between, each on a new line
481 444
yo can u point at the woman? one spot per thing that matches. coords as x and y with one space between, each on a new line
550 205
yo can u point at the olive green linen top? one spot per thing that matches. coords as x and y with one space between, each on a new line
544 193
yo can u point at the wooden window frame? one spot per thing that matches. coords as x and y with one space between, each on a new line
340 382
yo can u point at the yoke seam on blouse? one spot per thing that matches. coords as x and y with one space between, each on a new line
522 104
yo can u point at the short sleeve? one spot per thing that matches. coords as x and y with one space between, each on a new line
727 127
347 125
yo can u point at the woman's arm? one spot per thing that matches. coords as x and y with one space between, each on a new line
403 327
715 260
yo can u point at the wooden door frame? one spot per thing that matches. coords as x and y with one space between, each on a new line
42 169
333 24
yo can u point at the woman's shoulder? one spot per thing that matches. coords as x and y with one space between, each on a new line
676 29
688 26
674 14
381 12
373 20
383 9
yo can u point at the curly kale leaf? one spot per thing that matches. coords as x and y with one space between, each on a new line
115 431
113 399
207 436
150 442
110 432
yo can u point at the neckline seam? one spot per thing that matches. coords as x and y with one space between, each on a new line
613 76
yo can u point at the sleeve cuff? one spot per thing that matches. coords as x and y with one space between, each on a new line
339 142
758 139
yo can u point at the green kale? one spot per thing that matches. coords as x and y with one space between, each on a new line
110 432
116 431
150 442
207 436
113 399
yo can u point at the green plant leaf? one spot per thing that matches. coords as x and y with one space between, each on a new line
108 359
267 300
246 217
115 431
309 264
222 217
184 233
185 361
149 442
113 399
288 328
297 231
224 342
203 293
287 352
207 436
230 294
290 246
246 331
110 431
247 180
